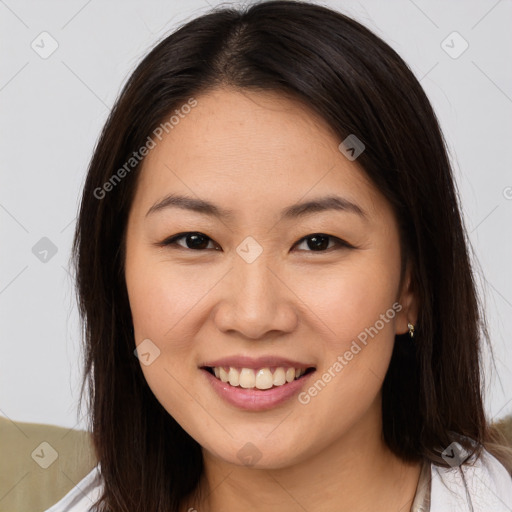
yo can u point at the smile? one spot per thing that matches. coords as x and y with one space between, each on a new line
257 378
256 383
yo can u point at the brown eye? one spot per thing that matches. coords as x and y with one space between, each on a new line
319 242
193 240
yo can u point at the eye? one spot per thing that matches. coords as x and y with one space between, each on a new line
193 240
317 242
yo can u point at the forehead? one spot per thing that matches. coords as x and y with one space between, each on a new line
251 149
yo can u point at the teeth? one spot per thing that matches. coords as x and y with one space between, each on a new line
279 377
262 378
247 378
234 377
223 375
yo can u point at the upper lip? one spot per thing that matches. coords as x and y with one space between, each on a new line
255 362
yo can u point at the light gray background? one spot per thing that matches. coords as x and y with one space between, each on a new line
53 110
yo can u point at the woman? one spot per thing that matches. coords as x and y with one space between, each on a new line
272 269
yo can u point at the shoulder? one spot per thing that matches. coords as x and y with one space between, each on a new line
478 485
83 496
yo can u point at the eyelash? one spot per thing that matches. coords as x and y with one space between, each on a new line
172 241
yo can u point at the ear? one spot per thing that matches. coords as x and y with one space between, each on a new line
409 301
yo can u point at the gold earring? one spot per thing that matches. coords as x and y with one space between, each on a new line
411 329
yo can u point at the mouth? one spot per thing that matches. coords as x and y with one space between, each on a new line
264 378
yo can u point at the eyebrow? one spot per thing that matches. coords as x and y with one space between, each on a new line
294 211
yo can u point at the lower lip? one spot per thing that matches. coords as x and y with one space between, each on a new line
256 399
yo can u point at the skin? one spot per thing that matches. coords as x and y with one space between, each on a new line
256 153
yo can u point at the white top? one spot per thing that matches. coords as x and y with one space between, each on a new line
485 486
83 496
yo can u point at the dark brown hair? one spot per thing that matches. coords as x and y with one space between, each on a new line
359 85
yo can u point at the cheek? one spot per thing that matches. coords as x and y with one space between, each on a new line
162 299
161 296
356 309
351 298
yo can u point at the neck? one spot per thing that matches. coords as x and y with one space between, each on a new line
356 473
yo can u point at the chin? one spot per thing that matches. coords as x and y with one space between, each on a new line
256 451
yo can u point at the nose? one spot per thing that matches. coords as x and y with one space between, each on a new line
256 301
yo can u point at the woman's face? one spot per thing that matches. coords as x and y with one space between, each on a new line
306 323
